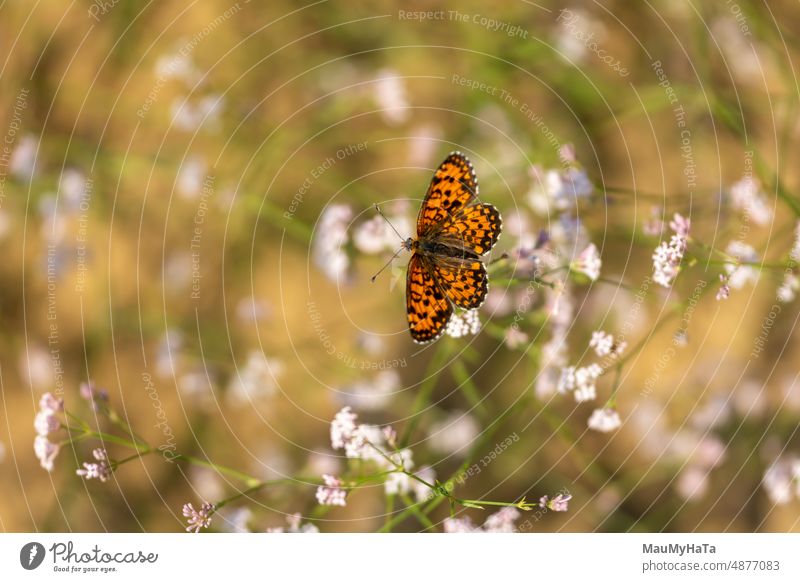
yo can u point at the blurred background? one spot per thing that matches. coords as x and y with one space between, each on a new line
186 216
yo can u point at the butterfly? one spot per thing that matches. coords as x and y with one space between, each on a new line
445 270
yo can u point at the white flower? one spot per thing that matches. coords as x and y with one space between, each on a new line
561 189
515 338
739 275
45 451
668 255
295 526
371 393
778 480
604 344
724 290
789 288
198 518
46 423
257 379
423 492
454 433
581 381
343 428
588 262
748 196
604 420
332 492
558 503
191 175
99 470
502 521
390 93
463 324
23 160
376 235
459 525
330 238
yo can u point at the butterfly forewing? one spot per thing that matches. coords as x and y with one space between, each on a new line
452 187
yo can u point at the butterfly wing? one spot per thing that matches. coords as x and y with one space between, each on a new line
463 281
475 229
427 307
453 186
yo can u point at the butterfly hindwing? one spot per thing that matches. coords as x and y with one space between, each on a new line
453 187
464 281
476 229
427 307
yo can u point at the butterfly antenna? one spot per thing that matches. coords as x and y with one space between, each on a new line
389 262
378 209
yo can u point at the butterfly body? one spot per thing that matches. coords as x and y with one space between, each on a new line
445 270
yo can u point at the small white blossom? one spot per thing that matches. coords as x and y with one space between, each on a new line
466 323
99 470
459 525
390 93
50 404
668 255
515 338
724 290
330 238
581 381
604 420
748 196
789 288
45 451
588 262
294 526
257 379
332 492
343 427
502 521
780 478
739 275
454 433
604 344
558 503
198 518
46 423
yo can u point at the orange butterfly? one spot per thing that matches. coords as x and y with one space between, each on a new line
445 269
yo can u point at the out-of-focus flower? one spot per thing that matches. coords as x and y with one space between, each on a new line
423 492
557 189
235 520
462 324
780 478
390 93
198 518
789 288
377 235
588 262
50 404
191 115
748 196
23 161
558 503
330 239
740 275
581 381
256 380
724 290
191 175
99 470
423 144
515 338
343 428
294 525
604 420
668 255
95 396
71 188
604 344
35 366
459 525
45 451
371 394
454 433
502 521
654 226
46 423
252 309
692 482
331 493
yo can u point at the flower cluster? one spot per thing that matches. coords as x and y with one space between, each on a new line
198 518
748 196
294 525
100 470
501 521
332 492
604 420
604 344
46 423
582 382
558 503
462 324
668 255
738 275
